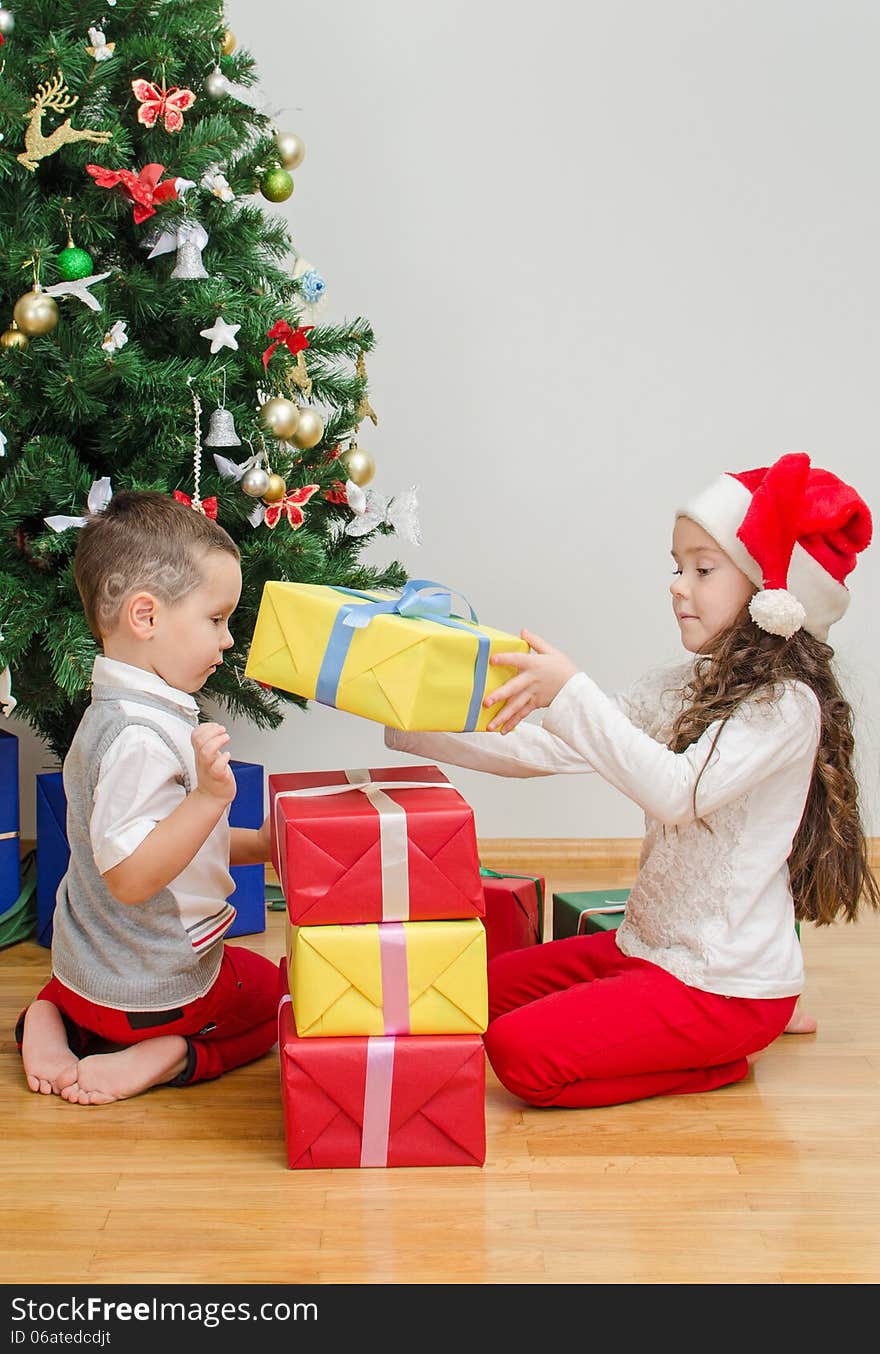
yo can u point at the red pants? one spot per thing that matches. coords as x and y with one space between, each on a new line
575 1022
233 1023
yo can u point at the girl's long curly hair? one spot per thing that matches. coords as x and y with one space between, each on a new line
828 866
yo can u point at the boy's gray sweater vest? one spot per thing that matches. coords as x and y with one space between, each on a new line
133 957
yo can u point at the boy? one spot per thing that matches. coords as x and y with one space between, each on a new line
138 958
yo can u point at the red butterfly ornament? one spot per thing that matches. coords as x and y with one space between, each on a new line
289 507
158 102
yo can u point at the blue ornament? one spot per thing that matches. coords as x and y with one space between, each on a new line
312 286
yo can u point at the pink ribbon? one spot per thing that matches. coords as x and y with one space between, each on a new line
395 980
377 1101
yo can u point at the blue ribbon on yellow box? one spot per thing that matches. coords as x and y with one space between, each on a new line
420 599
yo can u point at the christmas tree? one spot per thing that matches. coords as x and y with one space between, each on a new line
160 332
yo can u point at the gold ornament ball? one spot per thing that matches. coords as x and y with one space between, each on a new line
13 337
276 185
359 465
290 148
309 430
275 490
35 313
229 42
280 417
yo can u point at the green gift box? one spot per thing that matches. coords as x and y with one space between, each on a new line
577 914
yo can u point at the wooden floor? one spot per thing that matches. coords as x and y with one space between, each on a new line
773 1181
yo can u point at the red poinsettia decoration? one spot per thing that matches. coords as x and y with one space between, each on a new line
144 188
336 493
290 506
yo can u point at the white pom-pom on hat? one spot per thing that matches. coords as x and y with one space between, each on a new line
777 611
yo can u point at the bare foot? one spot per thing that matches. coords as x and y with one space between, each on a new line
104 1077
49 1063
752 1058
801 1022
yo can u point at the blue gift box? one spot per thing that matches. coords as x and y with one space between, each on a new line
53 853
246 810
10 869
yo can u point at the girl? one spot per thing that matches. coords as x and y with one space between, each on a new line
741 761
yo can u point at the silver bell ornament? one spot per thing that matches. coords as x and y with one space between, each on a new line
255 482
221 430
189 264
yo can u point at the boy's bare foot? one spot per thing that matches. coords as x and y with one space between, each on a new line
104 1077
49 1064
801 1022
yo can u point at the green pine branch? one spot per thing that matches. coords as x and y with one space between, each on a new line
73 412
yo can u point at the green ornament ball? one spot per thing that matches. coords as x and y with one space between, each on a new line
276 185
74 263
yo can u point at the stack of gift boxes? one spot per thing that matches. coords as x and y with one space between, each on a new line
384 998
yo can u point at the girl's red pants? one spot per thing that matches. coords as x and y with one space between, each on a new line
577 1023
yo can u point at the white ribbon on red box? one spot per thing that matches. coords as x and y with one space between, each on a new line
393 839
377 1096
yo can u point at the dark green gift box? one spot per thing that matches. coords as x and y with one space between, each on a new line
575 913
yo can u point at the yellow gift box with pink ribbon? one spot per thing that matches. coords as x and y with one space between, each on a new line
404 658
382 978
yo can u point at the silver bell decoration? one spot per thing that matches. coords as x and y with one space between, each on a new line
221 430
189 260
255 482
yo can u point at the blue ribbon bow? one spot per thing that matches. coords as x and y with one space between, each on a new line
421 599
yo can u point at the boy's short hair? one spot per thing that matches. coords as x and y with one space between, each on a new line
141 540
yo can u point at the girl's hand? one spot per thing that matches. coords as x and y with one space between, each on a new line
214 773
541 675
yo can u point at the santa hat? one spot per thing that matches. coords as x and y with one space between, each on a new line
795 531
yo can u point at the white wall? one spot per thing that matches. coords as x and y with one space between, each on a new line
609 251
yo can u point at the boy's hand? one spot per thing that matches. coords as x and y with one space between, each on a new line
215 777
540 677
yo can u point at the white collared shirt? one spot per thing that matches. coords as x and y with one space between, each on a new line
139 784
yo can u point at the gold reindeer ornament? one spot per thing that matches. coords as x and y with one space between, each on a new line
53 94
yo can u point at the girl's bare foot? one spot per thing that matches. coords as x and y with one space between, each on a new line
49 1064
104 1077
801 1022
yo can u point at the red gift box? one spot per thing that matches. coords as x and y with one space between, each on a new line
514 912
402 848
405 1100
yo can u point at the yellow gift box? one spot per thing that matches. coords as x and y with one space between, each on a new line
402 658
420 977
